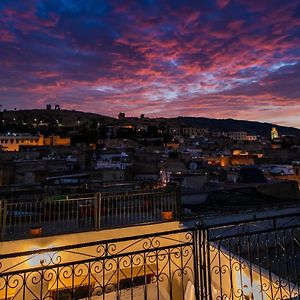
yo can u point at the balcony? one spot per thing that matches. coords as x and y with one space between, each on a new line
257 259
81 213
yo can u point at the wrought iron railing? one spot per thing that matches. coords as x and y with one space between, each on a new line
77 213
156 266
255 259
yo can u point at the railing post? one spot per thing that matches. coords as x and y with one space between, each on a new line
196 262
1 219
3 211
204 276
178 202
98 211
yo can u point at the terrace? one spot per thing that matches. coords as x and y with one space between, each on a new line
255 259
89 212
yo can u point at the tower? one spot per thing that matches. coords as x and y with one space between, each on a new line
274 134
121 116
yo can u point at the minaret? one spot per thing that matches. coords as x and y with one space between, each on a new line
274 134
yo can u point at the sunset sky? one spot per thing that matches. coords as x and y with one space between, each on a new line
221 59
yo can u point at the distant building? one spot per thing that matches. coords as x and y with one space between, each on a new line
216 134
175 131
57 107
121 116
119 143
241 136
286 172
251 138
237 135
13 142
296 167
55 140
274 134
48 106
141 127
193 131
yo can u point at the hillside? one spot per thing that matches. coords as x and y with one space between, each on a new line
251 127
67 117
71 117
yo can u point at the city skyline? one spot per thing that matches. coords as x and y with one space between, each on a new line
218 59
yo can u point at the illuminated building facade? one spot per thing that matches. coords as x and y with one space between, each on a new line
13 142
55 140
274 134
251 138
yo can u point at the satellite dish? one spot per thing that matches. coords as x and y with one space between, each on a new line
193 165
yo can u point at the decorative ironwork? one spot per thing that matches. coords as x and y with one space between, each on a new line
149 266
255 259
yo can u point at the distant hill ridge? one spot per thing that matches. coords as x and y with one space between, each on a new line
65 116
226 125
252 127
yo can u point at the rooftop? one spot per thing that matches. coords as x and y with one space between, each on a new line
86 212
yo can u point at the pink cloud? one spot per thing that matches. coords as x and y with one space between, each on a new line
222 3
6 36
